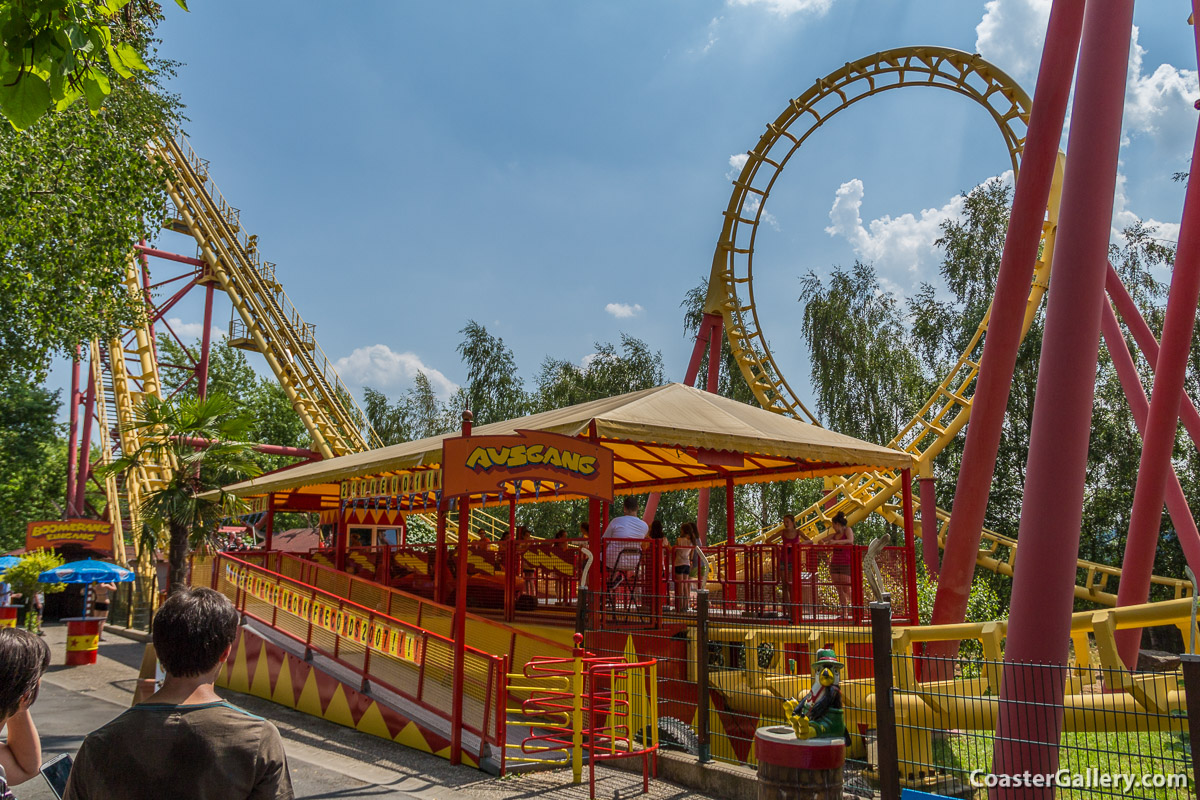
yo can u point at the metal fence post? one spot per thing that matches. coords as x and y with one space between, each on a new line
885 709
1191 688
702 675
581 609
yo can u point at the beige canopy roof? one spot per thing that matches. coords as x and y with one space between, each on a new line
668 437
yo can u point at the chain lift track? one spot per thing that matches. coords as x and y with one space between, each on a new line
949 409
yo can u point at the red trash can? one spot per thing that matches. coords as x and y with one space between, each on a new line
83 639
798 768
8 616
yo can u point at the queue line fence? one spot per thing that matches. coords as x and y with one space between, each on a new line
410 661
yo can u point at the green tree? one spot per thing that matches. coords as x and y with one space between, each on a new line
33 459
416 415
22 577
605 373
494 390
56 52
191 504
273 419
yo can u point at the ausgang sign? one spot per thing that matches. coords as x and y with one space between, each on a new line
485 464
93 534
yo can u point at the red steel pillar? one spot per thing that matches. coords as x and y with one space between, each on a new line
73 437
205 343
1170 371
1146 342
927 491
341 540
85 446
270 524
1030 715
1181 515
439 554
1003 338
460 615
715 325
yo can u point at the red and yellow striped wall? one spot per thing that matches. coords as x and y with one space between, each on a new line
260 668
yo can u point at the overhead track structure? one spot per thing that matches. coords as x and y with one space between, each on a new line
731 305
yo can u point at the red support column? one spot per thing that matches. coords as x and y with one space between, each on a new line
1030 715
1170 372
596 545
205 343
910 544
73 438
715 326
85 446
341 541
1003 338
270 525
1148 345
929 524
730 516
1131 384
460 615
149 298
439 554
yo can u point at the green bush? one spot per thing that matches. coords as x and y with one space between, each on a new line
23 579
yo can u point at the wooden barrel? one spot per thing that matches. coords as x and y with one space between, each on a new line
798 769
83 640
8 616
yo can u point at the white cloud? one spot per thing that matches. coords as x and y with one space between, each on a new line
624 310
1123 217
710 38
1160 104
1011 34
193 330
895 245
379 366
737 162
785 8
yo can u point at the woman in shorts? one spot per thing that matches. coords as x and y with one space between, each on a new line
842 557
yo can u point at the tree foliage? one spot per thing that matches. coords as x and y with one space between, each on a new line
33 459
56 52
494 390
23 578
416 415
181 505
76 194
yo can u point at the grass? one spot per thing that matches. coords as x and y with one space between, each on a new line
1130 753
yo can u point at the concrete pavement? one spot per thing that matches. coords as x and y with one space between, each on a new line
326 760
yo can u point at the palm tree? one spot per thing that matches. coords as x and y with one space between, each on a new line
191 503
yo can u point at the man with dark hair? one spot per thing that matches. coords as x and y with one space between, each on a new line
23 659
618 557
184 741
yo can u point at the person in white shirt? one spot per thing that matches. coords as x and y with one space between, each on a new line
628 526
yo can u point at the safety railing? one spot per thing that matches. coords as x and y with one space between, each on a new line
410 661
485 634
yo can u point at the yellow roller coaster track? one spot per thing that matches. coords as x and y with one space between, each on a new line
948 410
267 322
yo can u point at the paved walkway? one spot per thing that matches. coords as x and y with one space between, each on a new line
326 760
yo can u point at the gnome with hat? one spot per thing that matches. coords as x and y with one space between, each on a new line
819 713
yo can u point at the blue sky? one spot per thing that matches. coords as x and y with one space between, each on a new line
557 171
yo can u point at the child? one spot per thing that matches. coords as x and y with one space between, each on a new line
684 559
23 659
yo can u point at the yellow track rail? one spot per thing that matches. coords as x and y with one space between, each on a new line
269 319
949 408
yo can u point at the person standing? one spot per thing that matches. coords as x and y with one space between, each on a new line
842 558
24 658
789 555
184 741
683 560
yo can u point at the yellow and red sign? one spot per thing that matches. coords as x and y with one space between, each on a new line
93 534
487 464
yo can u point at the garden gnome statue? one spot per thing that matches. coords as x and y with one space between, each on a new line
819 713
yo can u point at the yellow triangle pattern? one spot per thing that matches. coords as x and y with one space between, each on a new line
239 678
260 684
372 722
410 736
310 701
284 694
338 709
